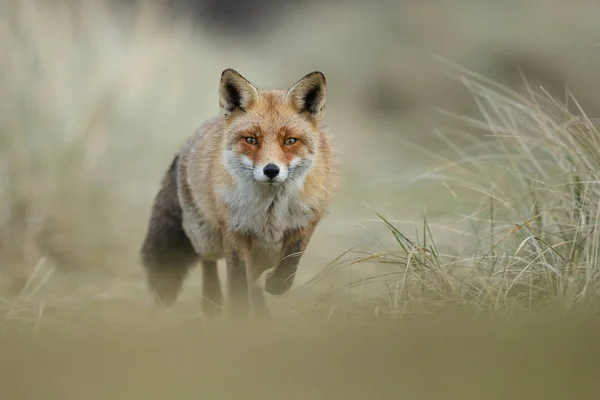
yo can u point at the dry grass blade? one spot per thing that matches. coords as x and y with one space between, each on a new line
538 239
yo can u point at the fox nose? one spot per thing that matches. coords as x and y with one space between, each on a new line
271 171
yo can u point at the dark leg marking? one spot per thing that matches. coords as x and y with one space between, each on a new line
237 281
281 279
212 297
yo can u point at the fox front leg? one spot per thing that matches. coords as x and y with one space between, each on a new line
255 292
281 279
237 282
243 271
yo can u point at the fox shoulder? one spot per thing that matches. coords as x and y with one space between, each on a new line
191 152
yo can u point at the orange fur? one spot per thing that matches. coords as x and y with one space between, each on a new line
252 184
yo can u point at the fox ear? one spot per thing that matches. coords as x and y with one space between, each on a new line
308 95
235 92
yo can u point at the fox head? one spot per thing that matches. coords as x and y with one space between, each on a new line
272 136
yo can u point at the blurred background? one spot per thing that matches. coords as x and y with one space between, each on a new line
96 96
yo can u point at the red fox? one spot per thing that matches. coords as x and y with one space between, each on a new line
249 186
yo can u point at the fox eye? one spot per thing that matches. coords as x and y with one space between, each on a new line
250 140
290 140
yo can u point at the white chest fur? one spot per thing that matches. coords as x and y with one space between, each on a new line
265 211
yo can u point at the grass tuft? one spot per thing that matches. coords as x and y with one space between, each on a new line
532 243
